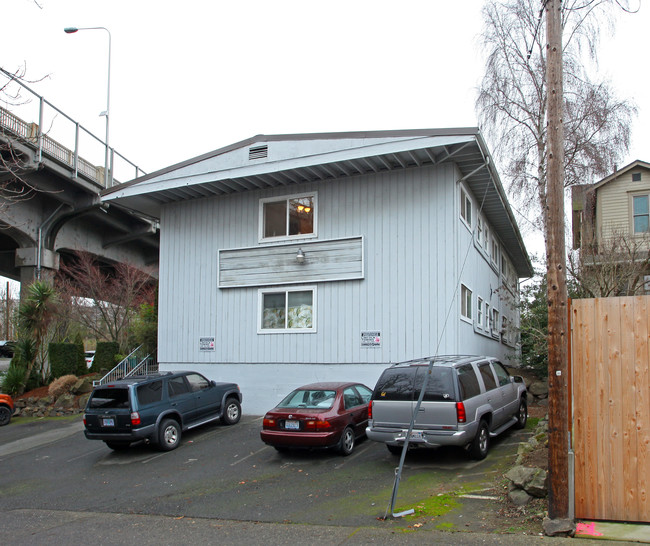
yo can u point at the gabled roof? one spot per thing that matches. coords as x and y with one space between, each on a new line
620 172
267 161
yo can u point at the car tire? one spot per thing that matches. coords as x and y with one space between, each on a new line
480 444
346 444
395 450
118 446
231 412
522 414
5 415
169 435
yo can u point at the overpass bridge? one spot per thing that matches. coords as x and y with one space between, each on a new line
50 188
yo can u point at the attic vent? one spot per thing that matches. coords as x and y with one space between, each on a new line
636 177
258 152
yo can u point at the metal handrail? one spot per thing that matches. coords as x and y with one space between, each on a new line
132 364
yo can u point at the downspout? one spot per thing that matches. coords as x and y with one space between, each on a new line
40 240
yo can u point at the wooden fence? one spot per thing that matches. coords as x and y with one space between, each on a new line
610 355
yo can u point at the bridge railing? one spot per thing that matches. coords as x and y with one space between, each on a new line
71 141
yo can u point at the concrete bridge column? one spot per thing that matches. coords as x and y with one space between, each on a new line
31 268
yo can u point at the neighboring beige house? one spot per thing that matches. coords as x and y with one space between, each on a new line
611 226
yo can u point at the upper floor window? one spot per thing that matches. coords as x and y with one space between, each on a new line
465 207
479 312
641 213
288 217
465 302
479 231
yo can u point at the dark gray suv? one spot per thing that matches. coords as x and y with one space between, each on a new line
157 408
467 400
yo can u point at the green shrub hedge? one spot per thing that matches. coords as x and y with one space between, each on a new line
105 356
66 359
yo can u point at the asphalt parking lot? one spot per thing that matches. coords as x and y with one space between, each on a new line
226 474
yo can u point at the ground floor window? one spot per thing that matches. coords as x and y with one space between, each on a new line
287 310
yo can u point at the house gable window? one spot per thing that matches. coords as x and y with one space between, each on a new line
465 302
289 217
465 207
640 214
287 310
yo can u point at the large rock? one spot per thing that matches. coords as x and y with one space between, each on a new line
82 386
519 497
559 527
64 401
532 480
539 389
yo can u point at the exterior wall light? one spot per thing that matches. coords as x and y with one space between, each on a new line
300 257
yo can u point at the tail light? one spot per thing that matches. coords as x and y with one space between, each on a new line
370 410
268 423
316 425
135 418
461 417
85 422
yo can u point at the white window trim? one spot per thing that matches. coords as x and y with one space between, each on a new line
260 216
286 289
463 300
465 199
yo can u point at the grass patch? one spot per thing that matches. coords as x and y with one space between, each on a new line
532 423
446 526
436 506
24 420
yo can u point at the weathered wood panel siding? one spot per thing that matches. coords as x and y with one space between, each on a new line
325 261
413 249
611 407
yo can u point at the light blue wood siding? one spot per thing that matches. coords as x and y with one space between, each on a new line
413 249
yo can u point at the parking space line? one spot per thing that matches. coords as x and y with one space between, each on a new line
86 454
249 456
352 457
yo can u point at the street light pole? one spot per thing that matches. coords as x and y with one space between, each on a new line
72 30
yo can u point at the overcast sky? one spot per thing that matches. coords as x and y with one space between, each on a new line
191 77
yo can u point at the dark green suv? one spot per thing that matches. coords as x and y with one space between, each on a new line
157 408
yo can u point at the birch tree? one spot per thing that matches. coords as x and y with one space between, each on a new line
512 97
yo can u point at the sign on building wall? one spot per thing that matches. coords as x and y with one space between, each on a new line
371 339
206 344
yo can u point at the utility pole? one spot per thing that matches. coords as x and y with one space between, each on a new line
558 322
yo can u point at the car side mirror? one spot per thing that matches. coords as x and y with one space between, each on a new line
213 383
517 379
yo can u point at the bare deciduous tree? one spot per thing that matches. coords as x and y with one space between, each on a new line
512 97
613 266
105 301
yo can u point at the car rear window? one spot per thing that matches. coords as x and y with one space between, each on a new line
312 399
149 393
440 386
395 384
113 398
468 381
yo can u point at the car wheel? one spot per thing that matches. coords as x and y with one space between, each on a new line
118 446
479 447
5 415
522 414
395 450
346 445
232 412
169 435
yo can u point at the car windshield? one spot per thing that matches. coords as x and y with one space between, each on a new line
109 398
312 399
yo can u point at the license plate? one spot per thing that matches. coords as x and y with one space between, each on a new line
416 435
108 422
292 425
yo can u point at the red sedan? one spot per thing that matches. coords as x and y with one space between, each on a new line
320 415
